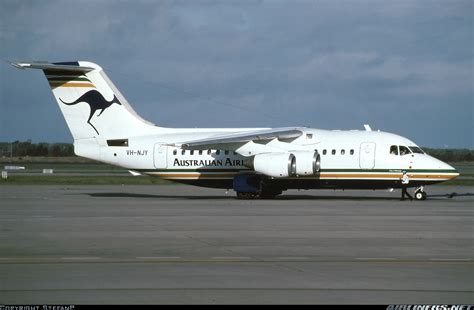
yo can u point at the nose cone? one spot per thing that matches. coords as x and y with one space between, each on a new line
444 167
453 172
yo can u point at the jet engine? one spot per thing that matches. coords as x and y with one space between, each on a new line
278 165
307 163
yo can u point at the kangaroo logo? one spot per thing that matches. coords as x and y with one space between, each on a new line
96 101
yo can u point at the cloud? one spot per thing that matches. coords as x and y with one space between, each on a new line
330 64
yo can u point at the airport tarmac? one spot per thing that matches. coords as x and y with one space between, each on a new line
188 245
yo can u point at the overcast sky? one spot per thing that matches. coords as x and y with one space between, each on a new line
401 66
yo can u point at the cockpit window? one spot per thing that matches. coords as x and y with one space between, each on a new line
394 150
416 149
404 150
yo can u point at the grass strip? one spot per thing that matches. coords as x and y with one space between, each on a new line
82 180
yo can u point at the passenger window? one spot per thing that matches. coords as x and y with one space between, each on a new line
226 152
343 152
175 152
218 152
394 150
209 152
200 152
404 150
192 152
183 152
324 152
333 152
352 152
235 153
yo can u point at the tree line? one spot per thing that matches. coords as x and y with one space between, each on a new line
27 148
21 149
451 154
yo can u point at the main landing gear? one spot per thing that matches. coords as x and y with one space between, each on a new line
244 195
264 194
251 186
420 193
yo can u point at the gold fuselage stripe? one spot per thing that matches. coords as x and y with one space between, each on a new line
366 176
62 84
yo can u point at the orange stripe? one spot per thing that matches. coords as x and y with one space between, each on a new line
390 176
194 175
61 84
437 176
387 176
359 176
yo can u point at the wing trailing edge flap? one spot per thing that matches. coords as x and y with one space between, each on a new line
234 141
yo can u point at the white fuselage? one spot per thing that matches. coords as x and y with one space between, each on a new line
349 159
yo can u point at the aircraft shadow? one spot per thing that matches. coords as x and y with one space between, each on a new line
311 197
335 197
134 195
283 197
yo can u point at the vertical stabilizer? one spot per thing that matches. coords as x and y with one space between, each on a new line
91 104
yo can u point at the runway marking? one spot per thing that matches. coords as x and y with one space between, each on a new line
158 257
80 258
376 258
450 259
230 257
293 258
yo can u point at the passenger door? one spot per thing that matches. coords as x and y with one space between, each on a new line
160 157
367 155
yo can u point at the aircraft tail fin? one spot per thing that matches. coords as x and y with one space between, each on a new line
91 104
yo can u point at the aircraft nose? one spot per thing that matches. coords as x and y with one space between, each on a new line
446 168
453 171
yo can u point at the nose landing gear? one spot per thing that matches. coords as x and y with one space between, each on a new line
420 193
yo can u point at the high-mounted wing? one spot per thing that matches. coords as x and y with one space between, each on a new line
224 140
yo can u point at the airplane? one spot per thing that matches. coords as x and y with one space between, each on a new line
254 162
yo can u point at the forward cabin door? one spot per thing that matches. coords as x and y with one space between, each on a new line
367 155
160 156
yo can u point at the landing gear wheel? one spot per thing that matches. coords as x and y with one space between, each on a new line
242 195
246 196
420 195
269 194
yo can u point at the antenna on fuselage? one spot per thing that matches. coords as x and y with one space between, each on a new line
367 127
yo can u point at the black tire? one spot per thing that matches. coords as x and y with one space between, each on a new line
269 194
242 195
420 195
425 195
247 196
